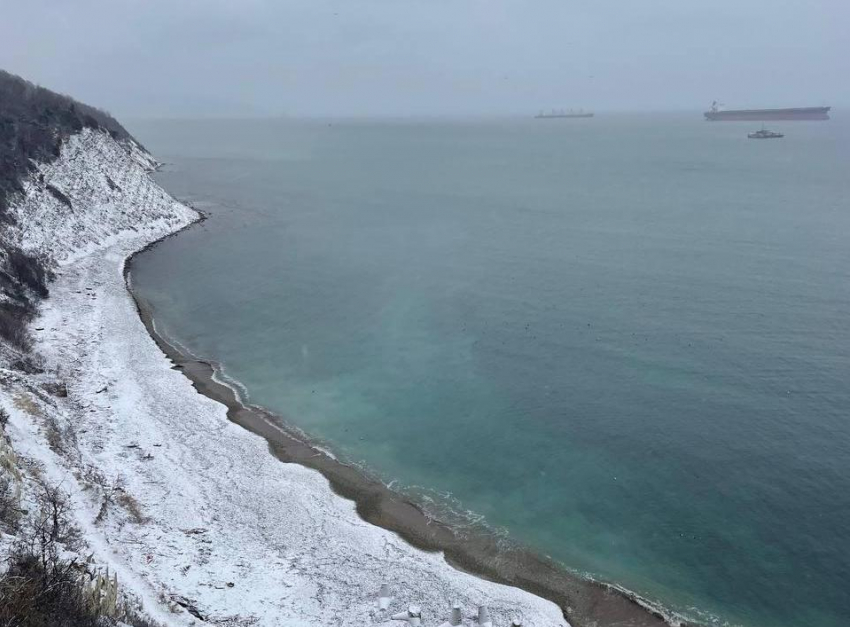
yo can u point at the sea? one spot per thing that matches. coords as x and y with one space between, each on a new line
623 342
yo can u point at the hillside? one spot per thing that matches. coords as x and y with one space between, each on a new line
72 180
34 124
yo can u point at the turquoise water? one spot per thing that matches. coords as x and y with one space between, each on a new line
623 340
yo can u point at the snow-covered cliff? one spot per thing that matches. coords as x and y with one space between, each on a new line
94 195
99 189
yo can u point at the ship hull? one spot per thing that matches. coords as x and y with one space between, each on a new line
572 115
767 115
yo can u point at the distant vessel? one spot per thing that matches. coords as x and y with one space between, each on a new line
716 114
765 134
562 113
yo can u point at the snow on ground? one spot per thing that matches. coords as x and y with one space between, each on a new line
109 195
184 505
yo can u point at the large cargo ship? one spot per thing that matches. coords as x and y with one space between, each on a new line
581 113
716 114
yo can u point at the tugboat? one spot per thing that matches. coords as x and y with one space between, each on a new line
765 134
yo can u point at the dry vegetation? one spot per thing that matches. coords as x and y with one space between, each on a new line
132 507
39 588
34 122
42 583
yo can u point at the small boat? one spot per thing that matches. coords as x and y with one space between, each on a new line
765 134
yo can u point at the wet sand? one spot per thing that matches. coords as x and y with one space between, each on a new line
585 603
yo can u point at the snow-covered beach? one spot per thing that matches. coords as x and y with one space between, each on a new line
207 518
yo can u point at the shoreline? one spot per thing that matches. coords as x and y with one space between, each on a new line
582 601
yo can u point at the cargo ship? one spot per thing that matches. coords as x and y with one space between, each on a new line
716 114
581 113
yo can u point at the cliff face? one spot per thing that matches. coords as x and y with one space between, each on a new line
71 178
97 189
34 123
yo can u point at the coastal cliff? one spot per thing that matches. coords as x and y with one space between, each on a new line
72 182
124 486
70 178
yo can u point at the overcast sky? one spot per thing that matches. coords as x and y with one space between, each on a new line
158 58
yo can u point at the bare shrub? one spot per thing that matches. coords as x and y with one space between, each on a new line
37 596
13 326
134 618
51 524
132 507
104 510
23 278
54 436
9 506
24 402
93 476
59 388
27 364
39 588
62 440
31 271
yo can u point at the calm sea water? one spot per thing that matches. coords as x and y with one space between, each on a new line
623 340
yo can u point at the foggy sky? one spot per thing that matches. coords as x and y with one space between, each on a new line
155 58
